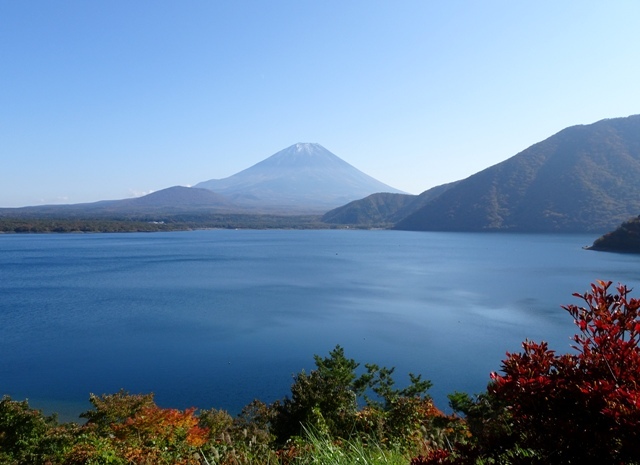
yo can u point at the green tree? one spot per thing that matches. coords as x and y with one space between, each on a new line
328 398
325 398
29 437
110 409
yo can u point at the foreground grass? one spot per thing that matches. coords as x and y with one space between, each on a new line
318 449
324 451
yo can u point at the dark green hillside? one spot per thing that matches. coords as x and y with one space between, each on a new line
625 238
582 179
152 222
383 209
372 211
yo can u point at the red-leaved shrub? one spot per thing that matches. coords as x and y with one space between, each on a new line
582 406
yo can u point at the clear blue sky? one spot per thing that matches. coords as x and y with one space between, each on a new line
114 98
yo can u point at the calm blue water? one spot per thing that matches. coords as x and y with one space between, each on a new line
218 318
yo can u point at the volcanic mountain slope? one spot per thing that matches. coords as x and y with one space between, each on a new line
582 179
302 177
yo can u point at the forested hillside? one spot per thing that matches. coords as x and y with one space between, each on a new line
582 179
625 238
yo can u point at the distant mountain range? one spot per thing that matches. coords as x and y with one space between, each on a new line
302 179
582 179
172 200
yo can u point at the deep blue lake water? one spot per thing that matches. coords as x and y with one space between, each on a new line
218 318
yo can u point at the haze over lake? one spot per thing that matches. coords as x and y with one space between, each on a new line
217 318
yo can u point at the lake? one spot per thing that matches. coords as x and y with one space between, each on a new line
217 318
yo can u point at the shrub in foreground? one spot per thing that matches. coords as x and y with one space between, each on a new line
582 407
329 399
27 436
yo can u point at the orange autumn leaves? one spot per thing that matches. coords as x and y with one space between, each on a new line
155 425
132 429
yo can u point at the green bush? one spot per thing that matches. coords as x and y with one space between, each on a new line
29 437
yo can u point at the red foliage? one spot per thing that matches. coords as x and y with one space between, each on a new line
434 457
609 352
585 404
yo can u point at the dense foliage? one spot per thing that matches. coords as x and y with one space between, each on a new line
582 407
625 238
151 223
542 408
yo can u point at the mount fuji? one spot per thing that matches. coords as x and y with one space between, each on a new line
304 177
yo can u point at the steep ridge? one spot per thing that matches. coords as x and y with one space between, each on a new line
582 179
